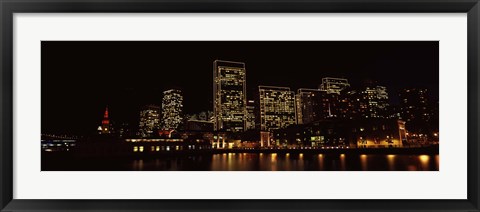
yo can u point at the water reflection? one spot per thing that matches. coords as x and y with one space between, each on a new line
342 162
254 162
290 162
137 165
391 162
364 162
424 162
321 164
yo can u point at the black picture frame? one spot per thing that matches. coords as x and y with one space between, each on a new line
9 7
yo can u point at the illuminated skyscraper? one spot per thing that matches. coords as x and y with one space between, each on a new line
172 107
309 105
250 115
149 121
277 107
334 85
374 102
229 96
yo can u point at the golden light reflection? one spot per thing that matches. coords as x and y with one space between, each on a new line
364 162
391 162
342 162
424 160
273 157
321 162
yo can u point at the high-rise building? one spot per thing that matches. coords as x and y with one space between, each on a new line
202 116
172 108
415 107
331 105
414 104
309 105
277 107
250 115
374 102
334 85
229 96
149 121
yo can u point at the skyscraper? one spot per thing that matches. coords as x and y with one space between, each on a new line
414 105
309 105
172 108
149 121
250 115
229 96
418 111
334 85
375 102
277 107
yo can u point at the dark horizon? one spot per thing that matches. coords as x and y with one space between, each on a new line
80 78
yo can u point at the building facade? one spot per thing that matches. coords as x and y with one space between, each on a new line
309 105
277 107
172 109
149 121
414 105
343 133
250 125
334 85
374 102
106 127
419 112
229 96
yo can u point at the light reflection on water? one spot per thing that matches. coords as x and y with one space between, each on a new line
291 162
364 162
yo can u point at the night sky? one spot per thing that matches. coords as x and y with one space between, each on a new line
80 78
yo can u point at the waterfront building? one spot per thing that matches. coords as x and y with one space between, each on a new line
149 122
106 127
343 133
380 133
229 96
277 107
172 108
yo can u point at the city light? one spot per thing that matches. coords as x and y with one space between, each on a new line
331 121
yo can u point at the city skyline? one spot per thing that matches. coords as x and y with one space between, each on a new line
152 89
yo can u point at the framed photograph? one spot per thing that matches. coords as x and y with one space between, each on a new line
239 105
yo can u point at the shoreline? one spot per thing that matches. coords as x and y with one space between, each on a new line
430 150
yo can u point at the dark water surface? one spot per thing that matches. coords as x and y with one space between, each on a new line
252 162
